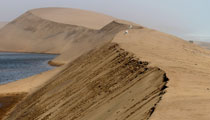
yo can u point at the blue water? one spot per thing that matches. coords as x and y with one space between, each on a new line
15 66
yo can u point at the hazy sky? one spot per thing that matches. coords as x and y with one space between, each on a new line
189 19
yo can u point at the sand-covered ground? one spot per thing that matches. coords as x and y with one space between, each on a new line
2 24
107 74
187 67
47 35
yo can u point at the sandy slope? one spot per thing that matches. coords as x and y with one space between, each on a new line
2 24
187 66
106 84
47 35
83 18
88 87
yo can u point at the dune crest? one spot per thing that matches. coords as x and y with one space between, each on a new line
107 83
187 67
47 36
111 70
74 16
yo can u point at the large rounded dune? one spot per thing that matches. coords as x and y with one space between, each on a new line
71 16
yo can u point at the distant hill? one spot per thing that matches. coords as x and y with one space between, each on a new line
203 44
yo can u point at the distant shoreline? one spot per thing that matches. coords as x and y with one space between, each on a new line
13 64
1 51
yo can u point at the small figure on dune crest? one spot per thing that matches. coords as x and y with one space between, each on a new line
130 27
126 32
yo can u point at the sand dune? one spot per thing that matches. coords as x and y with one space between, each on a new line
187 67
83 18
46 36
2 24
105 75
106 84
203 44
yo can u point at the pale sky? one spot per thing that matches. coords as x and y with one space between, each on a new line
188 19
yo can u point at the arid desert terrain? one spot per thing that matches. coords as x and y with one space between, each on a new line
2 24
108 69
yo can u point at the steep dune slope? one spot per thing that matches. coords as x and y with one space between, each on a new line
107 84
89 40
38 31
187 66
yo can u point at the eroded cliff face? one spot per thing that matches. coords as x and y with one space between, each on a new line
107 83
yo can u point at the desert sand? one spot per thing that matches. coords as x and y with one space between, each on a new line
48 36
2 24
187 67
106 74
83 18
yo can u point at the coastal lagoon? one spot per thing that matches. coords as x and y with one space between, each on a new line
15 66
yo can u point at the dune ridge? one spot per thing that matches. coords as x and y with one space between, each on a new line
46 36
74 16
108 74
186 65
106 83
